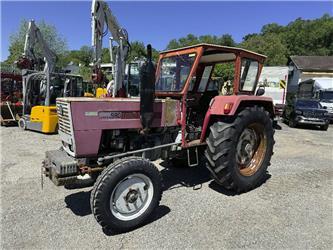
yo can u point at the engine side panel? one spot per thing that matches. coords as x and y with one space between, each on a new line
91 118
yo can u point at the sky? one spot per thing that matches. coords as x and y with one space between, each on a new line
158 22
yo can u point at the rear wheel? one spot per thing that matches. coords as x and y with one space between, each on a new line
239 152
126 194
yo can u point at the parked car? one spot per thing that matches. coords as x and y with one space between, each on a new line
306 111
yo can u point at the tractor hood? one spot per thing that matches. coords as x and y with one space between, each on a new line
82 119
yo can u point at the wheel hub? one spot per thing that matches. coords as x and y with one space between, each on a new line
131 197
246 146
251 149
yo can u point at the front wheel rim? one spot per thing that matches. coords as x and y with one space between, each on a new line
131 197
251 149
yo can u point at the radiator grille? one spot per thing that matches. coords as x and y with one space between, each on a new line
64 117
312 114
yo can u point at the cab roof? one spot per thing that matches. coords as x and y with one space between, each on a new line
209 47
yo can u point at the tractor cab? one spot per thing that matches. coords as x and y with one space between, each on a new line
207 80
205 68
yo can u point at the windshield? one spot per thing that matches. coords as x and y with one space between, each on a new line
134 79
308 104
326 96
174 72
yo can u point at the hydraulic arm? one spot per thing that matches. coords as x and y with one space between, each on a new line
34 36
29 58
101 16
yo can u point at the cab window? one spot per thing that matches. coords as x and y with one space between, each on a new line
205 78
249 72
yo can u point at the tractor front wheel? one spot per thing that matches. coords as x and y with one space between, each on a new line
126 193
239 152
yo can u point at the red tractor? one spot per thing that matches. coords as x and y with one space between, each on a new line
181 115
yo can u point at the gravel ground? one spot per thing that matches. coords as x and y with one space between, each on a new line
292 209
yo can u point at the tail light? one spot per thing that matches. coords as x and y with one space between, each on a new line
227 108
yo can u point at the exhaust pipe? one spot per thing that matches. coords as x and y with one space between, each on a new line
147 90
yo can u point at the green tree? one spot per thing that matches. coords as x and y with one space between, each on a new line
270 45
272 28
173 44
226 40
85 72
50 34
224 70
310 37
83 56
139 52
300 37
191 39
208 39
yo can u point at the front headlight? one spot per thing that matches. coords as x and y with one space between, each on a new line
298 112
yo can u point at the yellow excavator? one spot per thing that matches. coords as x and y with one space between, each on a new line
41 85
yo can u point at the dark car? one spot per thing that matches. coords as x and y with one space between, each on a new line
303 111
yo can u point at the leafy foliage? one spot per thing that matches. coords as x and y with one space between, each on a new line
226 71
300 37
139 52
82 57
191 39
270 45
277 42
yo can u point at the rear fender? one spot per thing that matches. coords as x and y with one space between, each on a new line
229 106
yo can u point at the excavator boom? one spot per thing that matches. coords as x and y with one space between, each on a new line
101 15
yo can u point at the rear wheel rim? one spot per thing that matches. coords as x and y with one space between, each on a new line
251 149
131 197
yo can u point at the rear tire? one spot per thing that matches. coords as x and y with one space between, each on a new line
239 152
126 193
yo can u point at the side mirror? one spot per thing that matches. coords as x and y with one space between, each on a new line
260 91
324 107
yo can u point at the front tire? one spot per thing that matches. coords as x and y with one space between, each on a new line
324 127
239 152
126 194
